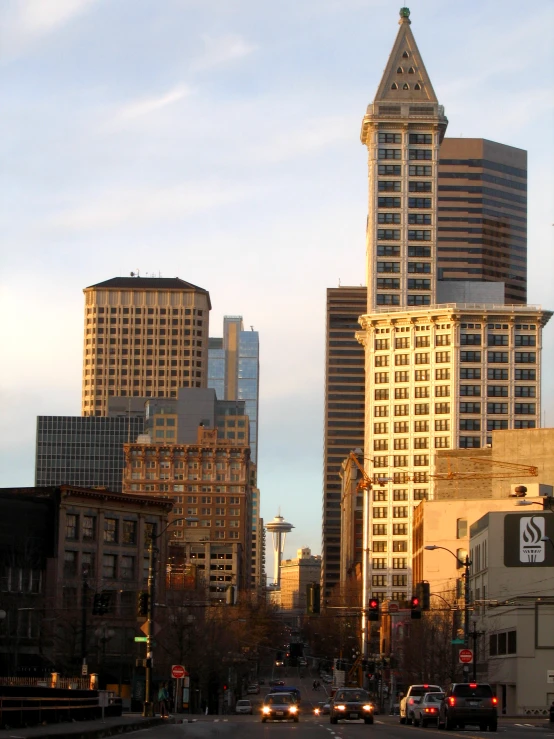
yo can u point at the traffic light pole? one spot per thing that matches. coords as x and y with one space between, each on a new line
148 703
365 574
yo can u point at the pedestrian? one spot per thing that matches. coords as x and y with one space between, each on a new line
163 696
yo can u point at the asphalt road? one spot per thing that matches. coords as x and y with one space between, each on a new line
310 727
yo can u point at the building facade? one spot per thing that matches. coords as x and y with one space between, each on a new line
440 378
234 371
482 214
86 451
296 575
143 337
210 481
344 415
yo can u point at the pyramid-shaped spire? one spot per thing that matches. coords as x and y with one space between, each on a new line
405 78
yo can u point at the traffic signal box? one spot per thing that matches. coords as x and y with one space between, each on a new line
100 604
415 606
423 593
142 603
373 609
313 597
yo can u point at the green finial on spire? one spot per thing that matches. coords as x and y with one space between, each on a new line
404 12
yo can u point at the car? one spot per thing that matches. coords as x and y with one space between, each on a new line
243 706
413 696
273 683
282 688
469 703
280 707
350 704
321 708
427 710
253 689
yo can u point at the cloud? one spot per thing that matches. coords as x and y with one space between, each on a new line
143 106
28 20
219 50
128 205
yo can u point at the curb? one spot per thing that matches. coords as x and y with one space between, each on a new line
101 731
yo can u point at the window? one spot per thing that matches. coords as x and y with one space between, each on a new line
380 428
109 564
470 339
381 344
379 580
380 512
388 202
441 408
496 374
379 546
381 377
461 528
110 530
525 357
420 219
518 424
402 342
379 563
400 546
385 299
390 138
470 442
89 528
442 424
419 300
442 340
421 426
421 460
422 391
401 443
493 408
71 526
498 340
417 186
497 357
400 511
388 267
401 410
524 409
442 442
129 532
421 442
401 427
497 425
70 564
470 407
400 529
400 495
400 359
422 358
401 376
390 154
524 374
466 390
471 356
497 391
470 424
421 138
419 284
421 341
380 445
381 411
524 340
400 460
382 394
420 154
442 391
525 391
399 563
419 251
421 409
379 529
422 375
127 569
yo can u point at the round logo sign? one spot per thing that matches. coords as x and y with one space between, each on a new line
178 671
466 656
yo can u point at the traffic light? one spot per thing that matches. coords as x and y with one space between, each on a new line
423 592
100 604
373 609
142 604
313 597
415 607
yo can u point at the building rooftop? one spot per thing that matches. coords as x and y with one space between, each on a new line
147 283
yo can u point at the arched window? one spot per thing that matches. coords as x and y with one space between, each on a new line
394 86
417 86
405 86
411 70
405 55
399 70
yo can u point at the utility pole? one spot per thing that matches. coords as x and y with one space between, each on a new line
84 590
148 703
467 592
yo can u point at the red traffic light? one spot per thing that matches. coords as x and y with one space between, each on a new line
415 602
374 604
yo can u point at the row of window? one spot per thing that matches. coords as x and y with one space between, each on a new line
413 138
403 427
395 202
498 339
114 567
401 460
413 186
414 170
84 528
381 563
393 283
413 154
382 580
420 442
400 494
382 529
423 409
412 300
465 356
466 373
394 251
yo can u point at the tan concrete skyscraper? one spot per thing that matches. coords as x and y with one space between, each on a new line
143 337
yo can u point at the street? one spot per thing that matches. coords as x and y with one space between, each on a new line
250 727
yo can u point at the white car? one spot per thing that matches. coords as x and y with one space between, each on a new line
244 706
411 699
427 710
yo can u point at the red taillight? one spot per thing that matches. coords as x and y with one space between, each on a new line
452 701
430 710
473 685
425 686
494 700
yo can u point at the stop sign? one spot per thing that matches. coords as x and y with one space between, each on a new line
178 671
466 656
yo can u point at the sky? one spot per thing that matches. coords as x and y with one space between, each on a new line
218 141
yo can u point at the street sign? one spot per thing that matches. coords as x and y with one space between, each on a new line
465 656
457 641
84 669
178 671
141 638
550 676
393 606
155 628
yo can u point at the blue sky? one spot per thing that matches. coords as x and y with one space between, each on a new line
218 141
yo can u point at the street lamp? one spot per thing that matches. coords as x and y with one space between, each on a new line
466 564
148 703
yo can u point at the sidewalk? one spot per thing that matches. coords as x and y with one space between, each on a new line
85 729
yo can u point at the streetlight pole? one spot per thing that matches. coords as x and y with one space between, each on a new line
84 621
475 635
148 703
466 564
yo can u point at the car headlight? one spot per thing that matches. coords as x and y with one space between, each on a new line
293 709
316 711
266 709
368 707
340 708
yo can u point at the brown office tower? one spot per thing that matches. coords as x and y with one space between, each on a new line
144 337
344 414
482 214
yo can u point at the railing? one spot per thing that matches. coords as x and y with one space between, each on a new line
456 306
71 683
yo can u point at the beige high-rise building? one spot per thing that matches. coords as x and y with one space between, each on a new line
143 337
296 575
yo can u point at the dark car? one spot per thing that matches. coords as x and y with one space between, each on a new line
280 707
350 704
469 703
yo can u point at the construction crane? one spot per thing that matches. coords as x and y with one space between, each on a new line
509 469
366 482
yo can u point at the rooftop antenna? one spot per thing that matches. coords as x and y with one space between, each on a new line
339 281
251 328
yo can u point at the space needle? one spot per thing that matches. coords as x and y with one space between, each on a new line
279 529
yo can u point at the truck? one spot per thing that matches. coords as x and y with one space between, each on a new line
413 696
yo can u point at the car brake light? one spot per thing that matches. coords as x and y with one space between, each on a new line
425 686
452 701
473 685
494 700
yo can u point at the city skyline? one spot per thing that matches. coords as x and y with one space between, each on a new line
230 158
